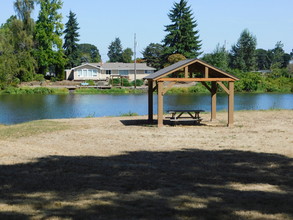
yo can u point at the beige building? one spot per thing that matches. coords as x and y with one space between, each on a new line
103 71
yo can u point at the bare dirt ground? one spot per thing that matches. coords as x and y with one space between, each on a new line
123 168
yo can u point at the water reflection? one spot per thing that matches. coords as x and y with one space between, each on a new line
21 108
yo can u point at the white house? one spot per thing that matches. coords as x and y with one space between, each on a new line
103 71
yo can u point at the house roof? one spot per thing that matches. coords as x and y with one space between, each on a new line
117 66
126 66
87 64
195 65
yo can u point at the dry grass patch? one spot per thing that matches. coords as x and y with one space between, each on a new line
30 129
119 168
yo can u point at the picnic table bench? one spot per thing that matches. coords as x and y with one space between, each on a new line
185 115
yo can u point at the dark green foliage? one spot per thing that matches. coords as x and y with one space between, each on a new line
115 51
89 53
243 54
70 41
263 59
182 38
127 55
153 55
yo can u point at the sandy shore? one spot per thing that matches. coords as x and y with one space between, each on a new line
122 168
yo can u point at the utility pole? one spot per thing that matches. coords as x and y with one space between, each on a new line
135 44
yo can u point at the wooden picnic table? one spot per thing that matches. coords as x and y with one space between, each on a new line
185 115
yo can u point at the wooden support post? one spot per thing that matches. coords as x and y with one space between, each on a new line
160 104
214 101
150 101
186 72
231 105
206 72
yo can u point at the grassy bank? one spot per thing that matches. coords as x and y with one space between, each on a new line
36 90
108 91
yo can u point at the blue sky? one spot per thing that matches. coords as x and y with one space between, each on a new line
218 21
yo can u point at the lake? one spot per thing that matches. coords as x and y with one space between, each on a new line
21 108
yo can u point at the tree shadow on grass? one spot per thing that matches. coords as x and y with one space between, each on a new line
193 184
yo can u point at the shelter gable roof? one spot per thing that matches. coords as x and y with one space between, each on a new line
196 64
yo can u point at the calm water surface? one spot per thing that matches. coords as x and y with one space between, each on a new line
21 108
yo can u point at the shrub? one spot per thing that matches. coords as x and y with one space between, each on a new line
139 82
53 79
125 82
39 77
90 82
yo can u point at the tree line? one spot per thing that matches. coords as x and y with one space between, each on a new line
31 50
182 41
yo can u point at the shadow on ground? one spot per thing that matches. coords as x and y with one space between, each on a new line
193 184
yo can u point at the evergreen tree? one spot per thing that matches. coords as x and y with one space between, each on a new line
49 52
153 55
70 41
182 38
115 51
278 57
243 54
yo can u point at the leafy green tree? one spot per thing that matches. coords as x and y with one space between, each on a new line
8 65
243 54
49 52
115 51
23 50
70 45
182 38
22 31
127 55
218 58
24 8
153 55
174 58
89 53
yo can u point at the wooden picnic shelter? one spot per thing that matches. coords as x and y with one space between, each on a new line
190 70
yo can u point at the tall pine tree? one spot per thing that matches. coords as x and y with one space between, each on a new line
243 54
182 38
115 51
70 41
